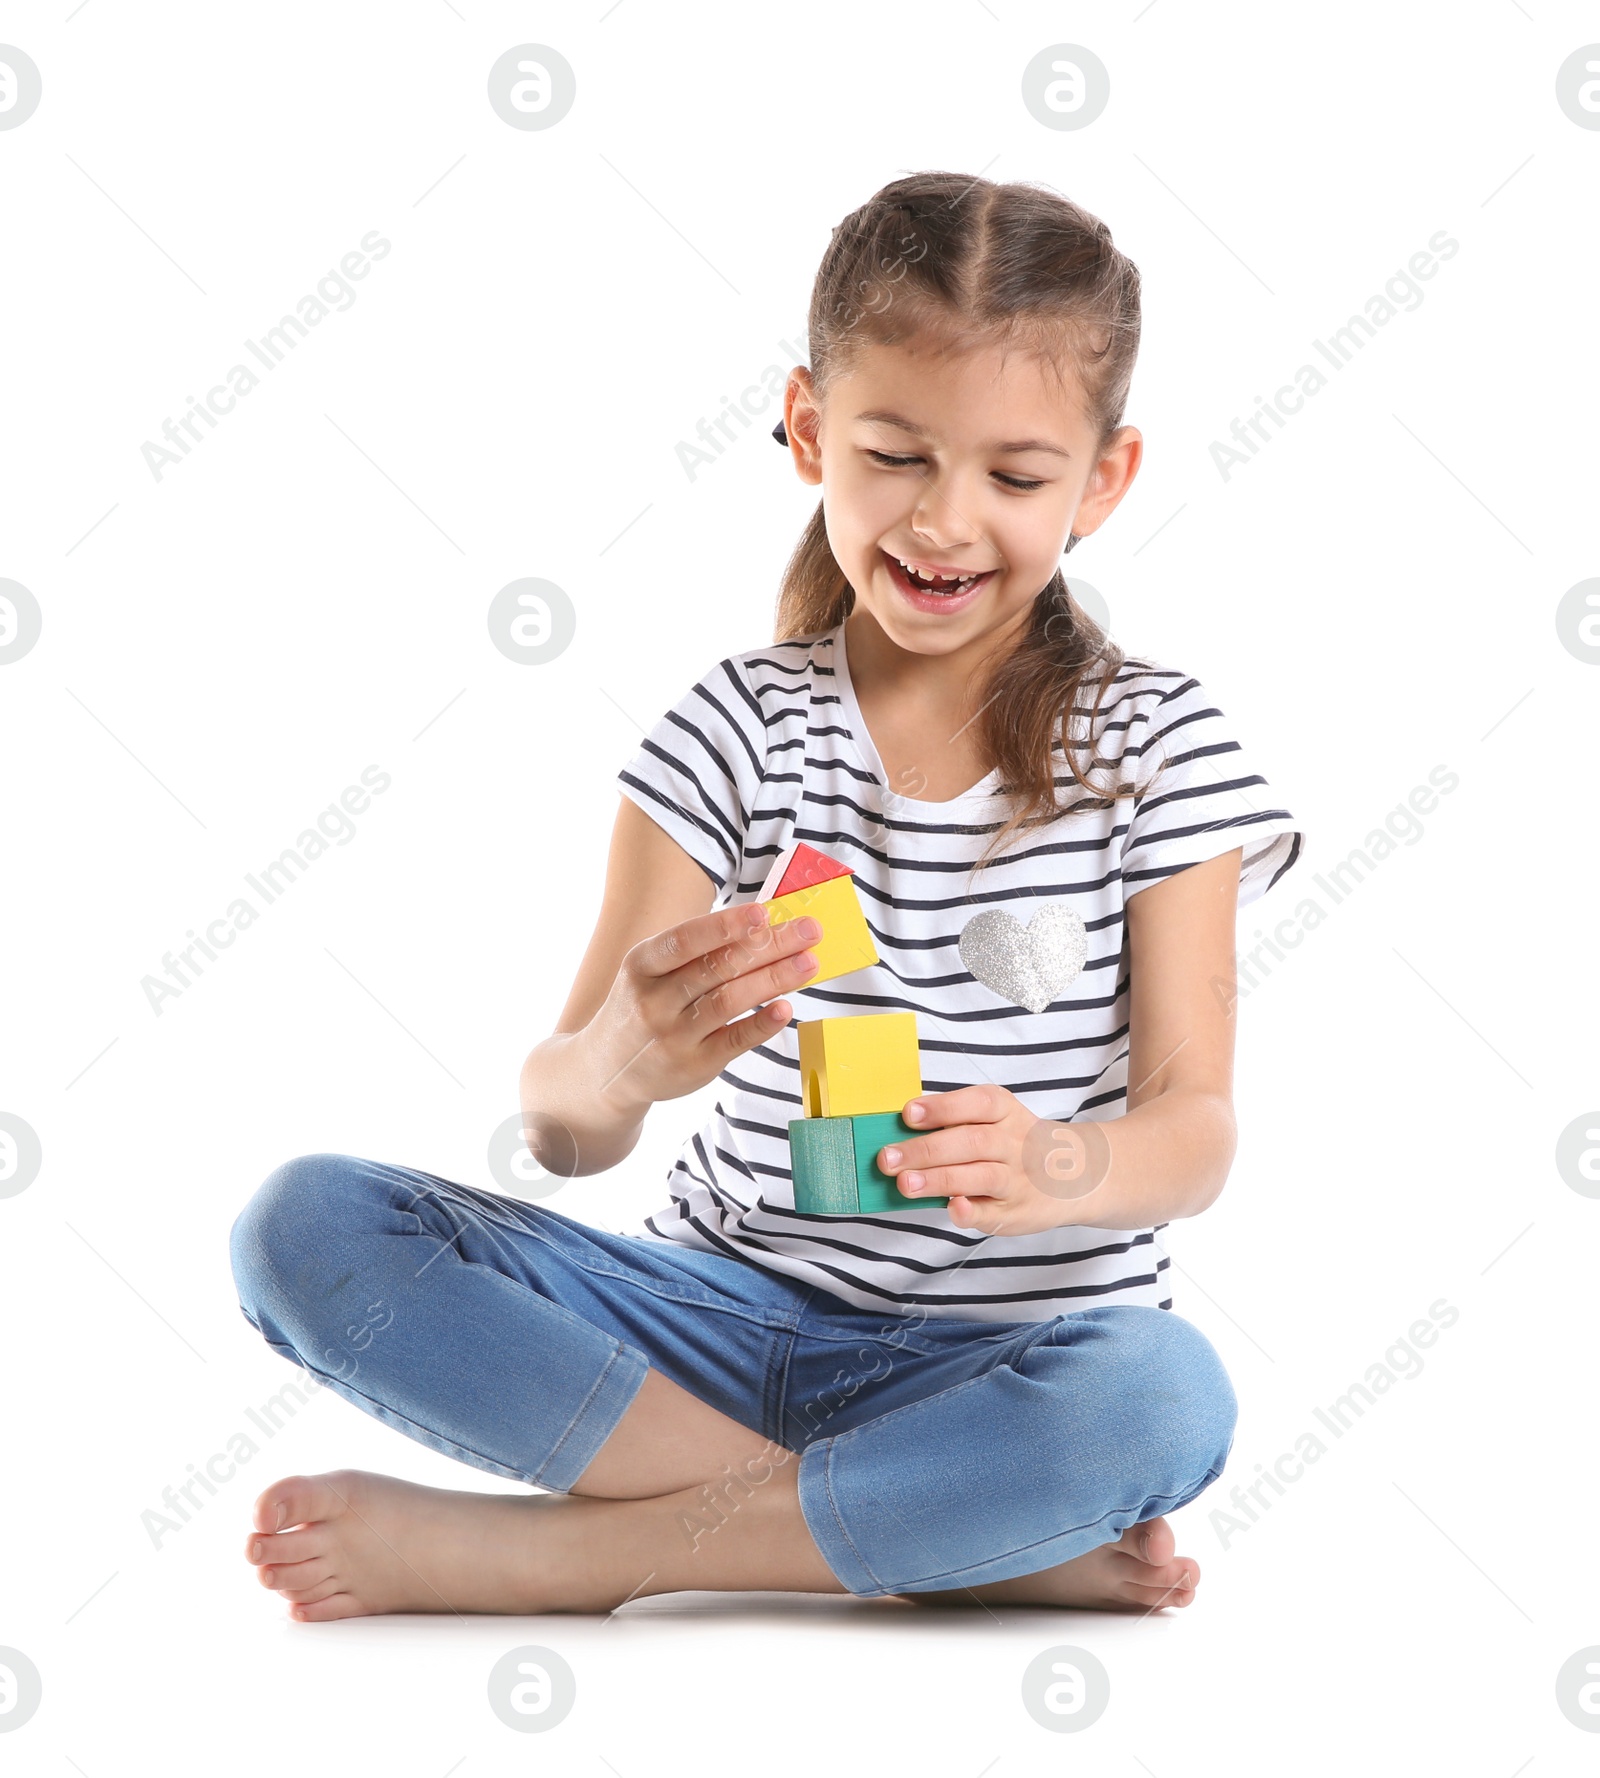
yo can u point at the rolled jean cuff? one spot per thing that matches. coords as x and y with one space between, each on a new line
594 1422
821 1514
899 1548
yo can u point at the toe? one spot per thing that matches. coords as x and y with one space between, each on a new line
279 1575
290 1546
299 1500
326 1610
273 1504
1154 1541
1171 1584
315 1593
1153 1598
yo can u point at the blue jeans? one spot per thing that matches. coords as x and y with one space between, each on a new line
935 1452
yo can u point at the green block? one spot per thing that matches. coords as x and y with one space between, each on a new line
834 1165
822 1163
875 1189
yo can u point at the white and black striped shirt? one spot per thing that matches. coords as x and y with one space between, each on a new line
769 747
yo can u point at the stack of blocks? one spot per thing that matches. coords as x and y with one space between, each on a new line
856 1074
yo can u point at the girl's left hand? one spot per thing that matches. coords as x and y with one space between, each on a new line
983 1151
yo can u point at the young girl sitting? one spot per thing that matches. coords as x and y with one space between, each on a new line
989 1399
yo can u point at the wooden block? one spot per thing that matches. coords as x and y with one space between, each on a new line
863 1064
822 1164
799 866
846 943
834 1165
875 1189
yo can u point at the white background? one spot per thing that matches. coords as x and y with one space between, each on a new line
225 649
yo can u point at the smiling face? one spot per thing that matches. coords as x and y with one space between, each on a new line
977 463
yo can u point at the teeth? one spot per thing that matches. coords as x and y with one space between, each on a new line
955 583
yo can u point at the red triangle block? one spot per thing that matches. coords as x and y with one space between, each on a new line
808 867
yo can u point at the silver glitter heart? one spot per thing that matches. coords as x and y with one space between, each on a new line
1028 965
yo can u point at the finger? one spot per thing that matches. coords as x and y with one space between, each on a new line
691 939
739 965
980 1179
945 1148
981 1104
744 1034
724 1001
989 1216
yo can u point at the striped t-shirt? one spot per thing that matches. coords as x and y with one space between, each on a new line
768 748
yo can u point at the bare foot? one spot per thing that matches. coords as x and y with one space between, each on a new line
1140 1571
353 1544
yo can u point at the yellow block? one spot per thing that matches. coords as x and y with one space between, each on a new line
855 1065
846 943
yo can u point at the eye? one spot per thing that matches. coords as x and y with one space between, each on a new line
886 461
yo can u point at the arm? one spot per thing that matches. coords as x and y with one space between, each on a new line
1008 1171
652 1011
1169 1154
581 1115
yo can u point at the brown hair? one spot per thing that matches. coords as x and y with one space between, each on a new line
965 261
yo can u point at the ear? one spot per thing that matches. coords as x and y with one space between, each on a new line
801 424
1109 480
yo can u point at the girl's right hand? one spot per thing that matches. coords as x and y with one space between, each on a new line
664 1028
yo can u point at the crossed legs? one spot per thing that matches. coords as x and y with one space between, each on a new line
679 1497
442 1304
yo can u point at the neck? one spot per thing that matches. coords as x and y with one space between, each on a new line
879 663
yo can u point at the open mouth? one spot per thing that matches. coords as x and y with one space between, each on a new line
925 587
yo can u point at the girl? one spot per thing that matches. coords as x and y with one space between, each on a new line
989 1400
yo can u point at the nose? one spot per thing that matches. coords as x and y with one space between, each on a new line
939 521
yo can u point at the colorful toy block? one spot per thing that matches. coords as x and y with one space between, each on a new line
875 1189
865 1063
856 1077
805 881
799 866
846 943
822 1161
834 1162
